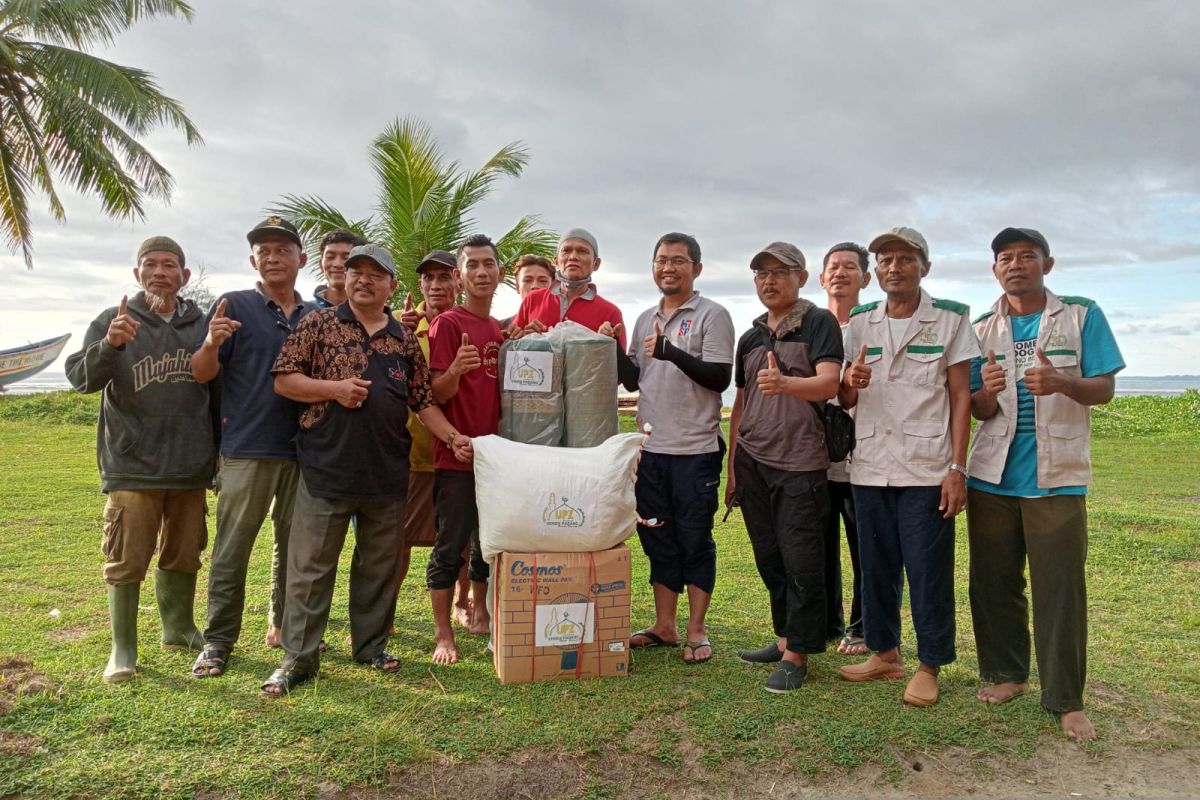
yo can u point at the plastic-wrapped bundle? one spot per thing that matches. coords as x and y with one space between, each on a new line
589 385
531 391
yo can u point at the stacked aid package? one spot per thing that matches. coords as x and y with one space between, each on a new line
559 388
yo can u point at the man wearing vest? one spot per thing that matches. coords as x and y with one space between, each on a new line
910 379
1047 360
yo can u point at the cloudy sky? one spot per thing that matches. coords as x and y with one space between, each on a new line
740 123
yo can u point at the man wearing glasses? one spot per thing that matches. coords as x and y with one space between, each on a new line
680 359
788 365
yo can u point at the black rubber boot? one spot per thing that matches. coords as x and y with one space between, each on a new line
176 593
122 610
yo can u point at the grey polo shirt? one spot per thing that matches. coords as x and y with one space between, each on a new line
685 417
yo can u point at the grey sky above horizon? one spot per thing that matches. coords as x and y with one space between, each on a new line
738 123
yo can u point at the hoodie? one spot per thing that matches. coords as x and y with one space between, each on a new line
156 423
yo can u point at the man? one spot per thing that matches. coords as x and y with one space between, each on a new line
155 448
464 348
1049 359
258 454
358 370
572 295
787 363
435 278
844 274
910 379
335 249
680 362
530 272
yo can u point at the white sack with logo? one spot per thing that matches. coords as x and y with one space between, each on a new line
538 499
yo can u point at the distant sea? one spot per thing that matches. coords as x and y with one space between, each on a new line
49 381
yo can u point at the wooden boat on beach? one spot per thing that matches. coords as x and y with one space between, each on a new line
22 362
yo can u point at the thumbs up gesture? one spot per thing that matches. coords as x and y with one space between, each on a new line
1044 379
858 374
466 359
221 327
123 327
651 346
410 317
993 375
771 382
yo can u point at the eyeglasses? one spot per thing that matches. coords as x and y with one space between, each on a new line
677 261
776 274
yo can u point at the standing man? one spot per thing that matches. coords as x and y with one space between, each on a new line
681 361
910 379
335 249
359 370
844 274
788 364
258 473
155 448
572 295
1049 359
464 350
530 272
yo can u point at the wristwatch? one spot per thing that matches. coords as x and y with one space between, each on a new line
959 468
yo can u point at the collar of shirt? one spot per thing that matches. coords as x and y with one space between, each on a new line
393 327
588 294
301 303
793 320
690 303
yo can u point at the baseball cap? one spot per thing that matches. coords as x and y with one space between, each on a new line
908 236
786 252
161 244
1009 235
274 226
583 234
375 253
438 258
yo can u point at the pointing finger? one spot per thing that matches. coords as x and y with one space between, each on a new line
221 306
991 358
771 362
124 303
408 304
862 355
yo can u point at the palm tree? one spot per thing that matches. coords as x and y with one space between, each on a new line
424 203
69 115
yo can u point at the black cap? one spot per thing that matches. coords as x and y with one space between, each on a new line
274 226
437 258
1009 235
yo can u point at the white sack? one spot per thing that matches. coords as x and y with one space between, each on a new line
537 499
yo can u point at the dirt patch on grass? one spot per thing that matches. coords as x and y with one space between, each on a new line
16 744
71 633
18 678
1059 768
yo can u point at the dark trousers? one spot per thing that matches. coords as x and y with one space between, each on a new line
901 531
1051 532
318 533
841 513
457 526
785 518
680 492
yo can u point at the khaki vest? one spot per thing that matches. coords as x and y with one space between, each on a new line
902 420
1063 427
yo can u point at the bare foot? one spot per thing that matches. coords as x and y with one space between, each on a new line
462 615
274 636
1077 726
852 645
481 624
1001 692
446 651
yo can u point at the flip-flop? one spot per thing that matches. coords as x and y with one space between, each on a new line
849 641
655 640
694 646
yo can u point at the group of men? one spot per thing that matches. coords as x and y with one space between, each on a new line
339 413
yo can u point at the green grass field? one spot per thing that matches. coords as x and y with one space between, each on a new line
67 734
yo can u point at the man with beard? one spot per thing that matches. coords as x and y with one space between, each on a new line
155 448
357 369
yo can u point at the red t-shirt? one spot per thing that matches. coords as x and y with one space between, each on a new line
474 410
590 310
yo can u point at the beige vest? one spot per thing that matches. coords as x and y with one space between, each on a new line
902 422
1063 427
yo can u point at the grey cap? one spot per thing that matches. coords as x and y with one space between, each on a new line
908 236
785 252
582 234
437 258
374 253
1009 235
161 244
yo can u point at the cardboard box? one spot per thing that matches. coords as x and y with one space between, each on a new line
561 616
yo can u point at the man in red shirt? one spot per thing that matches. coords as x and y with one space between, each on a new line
464 350
572 295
